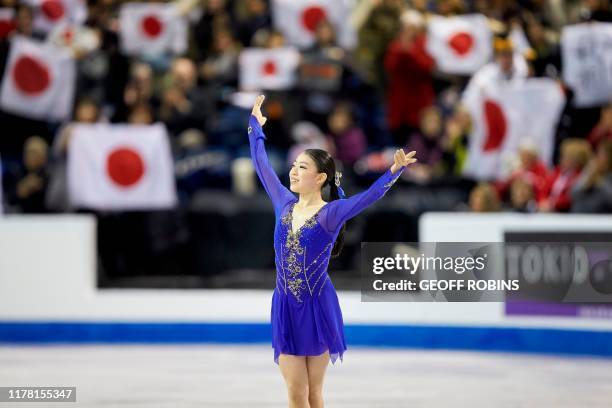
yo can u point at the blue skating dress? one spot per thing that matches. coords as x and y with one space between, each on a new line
305 314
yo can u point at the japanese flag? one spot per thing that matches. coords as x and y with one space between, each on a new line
268 69
459 44
76 37
38 80
7 22
49 13
120 167
298 19
152 29
503 116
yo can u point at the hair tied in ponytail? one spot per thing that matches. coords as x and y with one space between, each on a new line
337 182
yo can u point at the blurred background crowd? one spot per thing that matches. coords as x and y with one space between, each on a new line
358 98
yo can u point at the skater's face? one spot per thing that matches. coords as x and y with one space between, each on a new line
304 176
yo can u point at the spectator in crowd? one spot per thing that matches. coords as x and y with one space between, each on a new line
409 68
141 114
509 66
184 105
522 196
603 129
57 199
484 198
575 154
454 142
530 169
139 88
321 72
349 140
273 39
427 141
325 39
32 178
221 66
215 16
592 192
375 33
546 50
257 17
25 23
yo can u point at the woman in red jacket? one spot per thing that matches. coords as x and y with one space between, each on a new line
575 154
409 69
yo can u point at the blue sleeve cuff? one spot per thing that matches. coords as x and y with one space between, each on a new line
254 126
391 178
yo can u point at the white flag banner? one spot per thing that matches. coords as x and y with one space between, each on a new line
268 69
150 28
49 13
39 80
121 167
503 116
298 20
586 53
459 44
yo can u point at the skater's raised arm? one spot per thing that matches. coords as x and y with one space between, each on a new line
278 193
342 210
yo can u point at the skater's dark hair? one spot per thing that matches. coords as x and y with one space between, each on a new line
325 164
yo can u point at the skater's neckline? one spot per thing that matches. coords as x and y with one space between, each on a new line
305 222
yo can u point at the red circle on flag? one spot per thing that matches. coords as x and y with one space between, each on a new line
269 68
125 167
312 16
152 26
68 36
496 124
461 43
30 75
52 9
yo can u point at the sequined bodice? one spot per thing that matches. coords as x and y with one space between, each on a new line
302 257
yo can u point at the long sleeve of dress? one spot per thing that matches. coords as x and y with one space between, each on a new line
278 193
342 210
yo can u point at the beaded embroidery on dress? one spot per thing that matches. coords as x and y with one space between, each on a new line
299 275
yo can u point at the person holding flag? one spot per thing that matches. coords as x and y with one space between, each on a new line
307 324
508 67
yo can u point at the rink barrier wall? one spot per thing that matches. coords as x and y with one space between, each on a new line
500 339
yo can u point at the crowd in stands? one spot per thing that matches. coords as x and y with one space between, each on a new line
383 93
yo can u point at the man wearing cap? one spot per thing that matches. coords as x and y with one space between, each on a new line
508 66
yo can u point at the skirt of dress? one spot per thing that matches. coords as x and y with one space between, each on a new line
307 328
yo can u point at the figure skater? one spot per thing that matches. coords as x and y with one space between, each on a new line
307 325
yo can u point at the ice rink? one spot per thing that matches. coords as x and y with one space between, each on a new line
174 376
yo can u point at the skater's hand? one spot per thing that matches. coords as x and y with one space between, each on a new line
257 110
402 159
